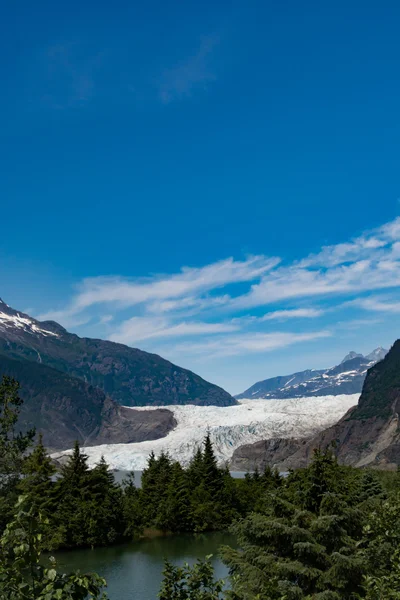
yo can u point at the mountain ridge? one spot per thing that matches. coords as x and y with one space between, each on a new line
368 435
130 376
345 378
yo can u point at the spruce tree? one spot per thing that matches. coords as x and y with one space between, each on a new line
13 445
196 469
133 518
174 509
73 491
297 553
212 475
370 487
38 471
103 507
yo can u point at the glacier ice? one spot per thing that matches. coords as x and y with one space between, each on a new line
229 426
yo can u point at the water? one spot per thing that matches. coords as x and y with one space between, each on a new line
134 571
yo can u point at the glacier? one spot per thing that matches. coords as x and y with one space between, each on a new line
229 427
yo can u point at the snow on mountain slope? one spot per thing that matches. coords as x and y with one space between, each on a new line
19 321
345 378
230 427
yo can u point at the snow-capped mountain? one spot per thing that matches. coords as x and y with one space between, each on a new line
345 378
130 376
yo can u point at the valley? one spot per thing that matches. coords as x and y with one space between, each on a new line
229 427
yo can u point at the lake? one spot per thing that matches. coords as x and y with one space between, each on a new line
134 570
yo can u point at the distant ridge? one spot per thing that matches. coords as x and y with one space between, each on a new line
345 378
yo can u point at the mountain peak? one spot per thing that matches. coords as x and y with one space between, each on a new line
377 354
128 375
351 355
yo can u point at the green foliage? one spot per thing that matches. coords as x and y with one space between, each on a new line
22 574
90 504
324 533
191 583
13 445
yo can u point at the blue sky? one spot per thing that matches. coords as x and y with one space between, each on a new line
214 182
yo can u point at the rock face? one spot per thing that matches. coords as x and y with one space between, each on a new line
265 453
346 378
65 409
369 434
129 376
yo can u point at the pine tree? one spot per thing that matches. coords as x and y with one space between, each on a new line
103 507
38 471
174 509
212 475
13 446
370 487
73 490
196 469
289 552
155 481
133 518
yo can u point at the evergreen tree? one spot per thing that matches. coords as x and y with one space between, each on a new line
13 446
37 482
73 491
370 487
297 551
155 481
212 475
195 470
174 510
133 518
103 507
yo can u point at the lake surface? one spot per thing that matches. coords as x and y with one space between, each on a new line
134 571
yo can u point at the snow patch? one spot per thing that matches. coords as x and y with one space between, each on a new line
229 426
23 323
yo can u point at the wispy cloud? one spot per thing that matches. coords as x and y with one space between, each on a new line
140 328
216 308
296 313
179 287
377 304
192 73
246 343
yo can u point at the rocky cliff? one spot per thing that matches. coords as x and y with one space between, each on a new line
65 409
270 453
369 434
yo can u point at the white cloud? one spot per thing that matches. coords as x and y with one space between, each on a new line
247 343
296 313
376 304
125 292
140 328
228 293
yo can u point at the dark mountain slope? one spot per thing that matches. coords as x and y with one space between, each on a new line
130 376
369 434
66 409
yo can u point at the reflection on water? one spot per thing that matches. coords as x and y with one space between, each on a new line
134 571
